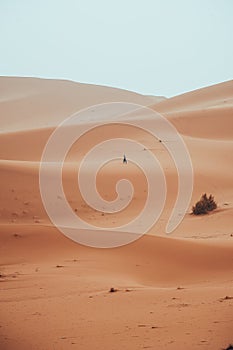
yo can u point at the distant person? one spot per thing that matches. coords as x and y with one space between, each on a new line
125 160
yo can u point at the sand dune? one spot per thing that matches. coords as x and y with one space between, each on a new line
162 261
211 96
204 113
173 291
44 103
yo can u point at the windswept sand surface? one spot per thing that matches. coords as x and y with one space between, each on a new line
173 291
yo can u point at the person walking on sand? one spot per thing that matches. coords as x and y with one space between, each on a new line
125 160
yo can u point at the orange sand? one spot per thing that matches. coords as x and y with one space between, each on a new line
171 290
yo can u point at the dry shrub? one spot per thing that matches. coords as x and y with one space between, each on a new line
204 205
229 347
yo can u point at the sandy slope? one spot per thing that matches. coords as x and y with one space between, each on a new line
54 292
44 103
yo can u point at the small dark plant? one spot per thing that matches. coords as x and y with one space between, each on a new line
204 205
229 347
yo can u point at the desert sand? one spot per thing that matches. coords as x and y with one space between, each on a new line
172 291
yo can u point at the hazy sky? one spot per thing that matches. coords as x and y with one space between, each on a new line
159 47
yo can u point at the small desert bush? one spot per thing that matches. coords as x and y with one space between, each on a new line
204 205
229 347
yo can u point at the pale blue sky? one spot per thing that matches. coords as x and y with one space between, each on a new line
159 47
